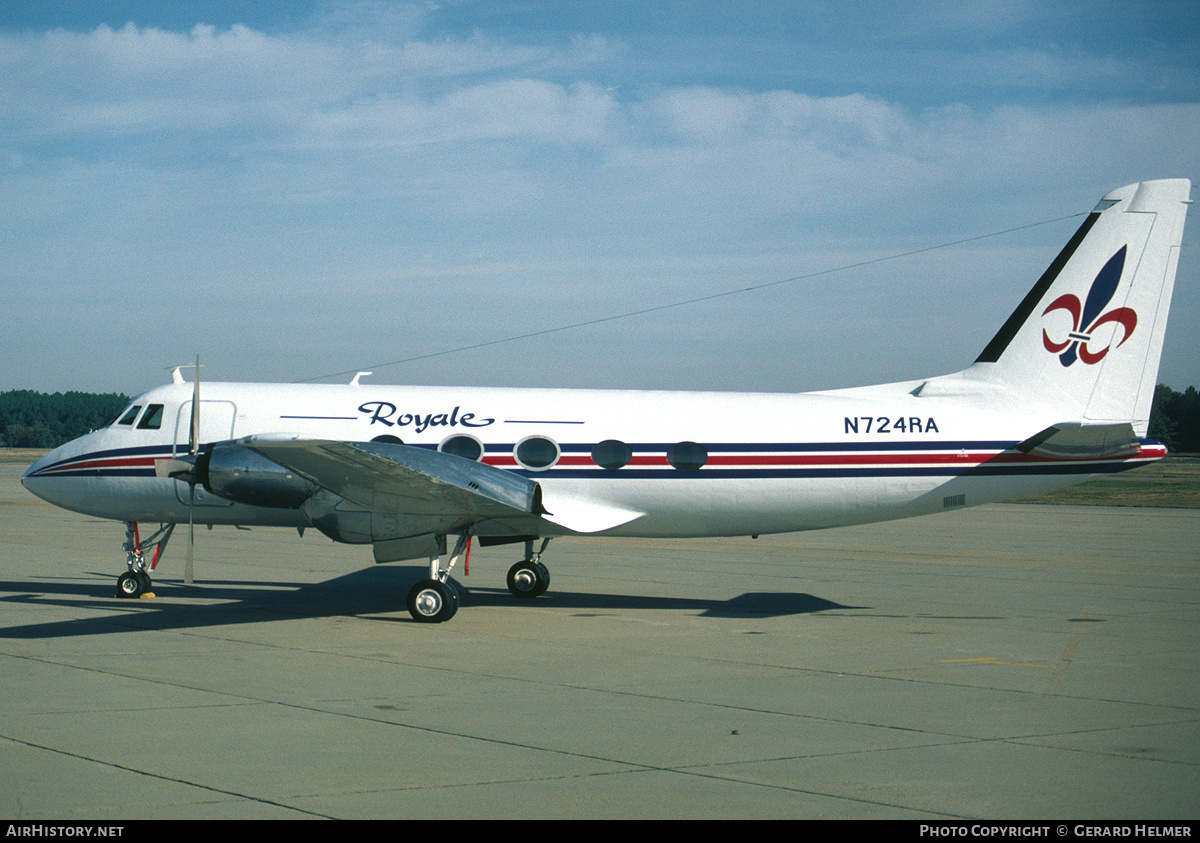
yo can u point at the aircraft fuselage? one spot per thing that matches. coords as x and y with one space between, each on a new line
692 464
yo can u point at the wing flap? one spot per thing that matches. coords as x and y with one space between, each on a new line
581 515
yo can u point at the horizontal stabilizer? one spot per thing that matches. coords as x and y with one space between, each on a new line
1074 441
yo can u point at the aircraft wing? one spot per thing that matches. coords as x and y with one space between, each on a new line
428 491
402 478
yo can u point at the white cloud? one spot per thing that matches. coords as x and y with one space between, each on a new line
311 200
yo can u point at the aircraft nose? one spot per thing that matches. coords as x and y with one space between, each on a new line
34 479
90 476
54 478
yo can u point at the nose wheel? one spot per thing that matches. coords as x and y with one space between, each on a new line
133 584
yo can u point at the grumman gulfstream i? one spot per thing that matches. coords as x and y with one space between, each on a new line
1061 393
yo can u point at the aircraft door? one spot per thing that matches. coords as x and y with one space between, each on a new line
216 425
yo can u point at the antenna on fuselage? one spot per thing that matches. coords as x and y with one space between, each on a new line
177 375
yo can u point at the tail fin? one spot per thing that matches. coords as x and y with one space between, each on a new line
1086 340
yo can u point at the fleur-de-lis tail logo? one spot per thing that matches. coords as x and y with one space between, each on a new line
1086 318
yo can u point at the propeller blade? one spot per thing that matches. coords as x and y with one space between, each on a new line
195 432
193 447
191 550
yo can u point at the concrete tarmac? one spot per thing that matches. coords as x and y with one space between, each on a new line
1007 662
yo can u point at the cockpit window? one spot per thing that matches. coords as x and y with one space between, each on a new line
130 414
152 420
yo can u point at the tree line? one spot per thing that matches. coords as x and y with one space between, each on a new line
31 419
1175 419
36 420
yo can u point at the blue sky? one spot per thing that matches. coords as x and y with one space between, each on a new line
306 189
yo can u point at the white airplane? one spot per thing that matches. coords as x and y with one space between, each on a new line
1060 394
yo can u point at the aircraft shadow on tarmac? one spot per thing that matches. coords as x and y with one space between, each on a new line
370 591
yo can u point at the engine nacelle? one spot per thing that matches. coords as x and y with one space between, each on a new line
238 474
346 521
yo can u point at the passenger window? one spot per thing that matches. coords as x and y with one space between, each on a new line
536 452
130 415
461 445
152 420
612 454
687 456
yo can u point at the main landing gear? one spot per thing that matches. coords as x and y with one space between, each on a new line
136 581
529 577
435 600
432 600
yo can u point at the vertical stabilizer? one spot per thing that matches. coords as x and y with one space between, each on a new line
1086 340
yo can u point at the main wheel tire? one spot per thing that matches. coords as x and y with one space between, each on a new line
528 579
129 584
432 601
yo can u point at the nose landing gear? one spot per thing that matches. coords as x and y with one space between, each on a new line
134 584
136 581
